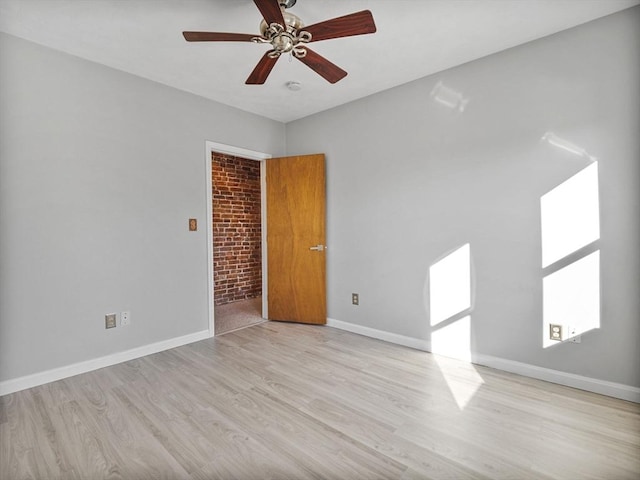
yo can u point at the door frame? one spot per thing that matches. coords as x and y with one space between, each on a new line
211 147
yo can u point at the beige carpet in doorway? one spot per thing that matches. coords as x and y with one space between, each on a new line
233 316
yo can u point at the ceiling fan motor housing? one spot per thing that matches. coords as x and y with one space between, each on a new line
285 38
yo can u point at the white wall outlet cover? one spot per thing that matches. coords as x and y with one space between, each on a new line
125 318
555 332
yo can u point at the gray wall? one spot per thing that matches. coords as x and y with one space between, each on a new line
409 179
99 173
100 170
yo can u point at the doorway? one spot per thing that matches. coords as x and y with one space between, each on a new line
237 237
305 207
235 296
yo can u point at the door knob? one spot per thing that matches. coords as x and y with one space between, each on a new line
318 248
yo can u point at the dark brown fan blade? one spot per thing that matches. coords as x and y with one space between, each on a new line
270 10
323 67
217 37
262 70
357 23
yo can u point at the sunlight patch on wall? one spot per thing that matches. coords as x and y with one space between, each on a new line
570 222
449 308
453 340
570 218
572 298
450 285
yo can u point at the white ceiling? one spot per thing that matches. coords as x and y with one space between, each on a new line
415 38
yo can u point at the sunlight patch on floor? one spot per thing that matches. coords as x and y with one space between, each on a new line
463 379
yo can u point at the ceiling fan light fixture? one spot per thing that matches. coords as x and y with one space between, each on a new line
283 43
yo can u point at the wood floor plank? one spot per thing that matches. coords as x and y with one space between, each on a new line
281 400
86 453
139 440
28 453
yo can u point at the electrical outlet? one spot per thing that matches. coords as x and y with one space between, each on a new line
110 320
355 299
125 318
555 332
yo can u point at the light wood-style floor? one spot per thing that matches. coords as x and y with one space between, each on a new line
280 400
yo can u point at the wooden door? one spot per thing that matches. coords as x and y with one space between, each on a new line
296 273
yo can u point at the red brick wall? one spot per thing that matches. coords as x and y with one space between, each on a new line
237 261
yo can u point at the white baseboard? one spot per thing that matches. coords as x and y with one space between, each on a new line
611 389
29 381
603 387
381 335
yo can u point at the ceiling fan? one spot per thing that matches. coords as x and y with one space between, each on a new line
287 34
